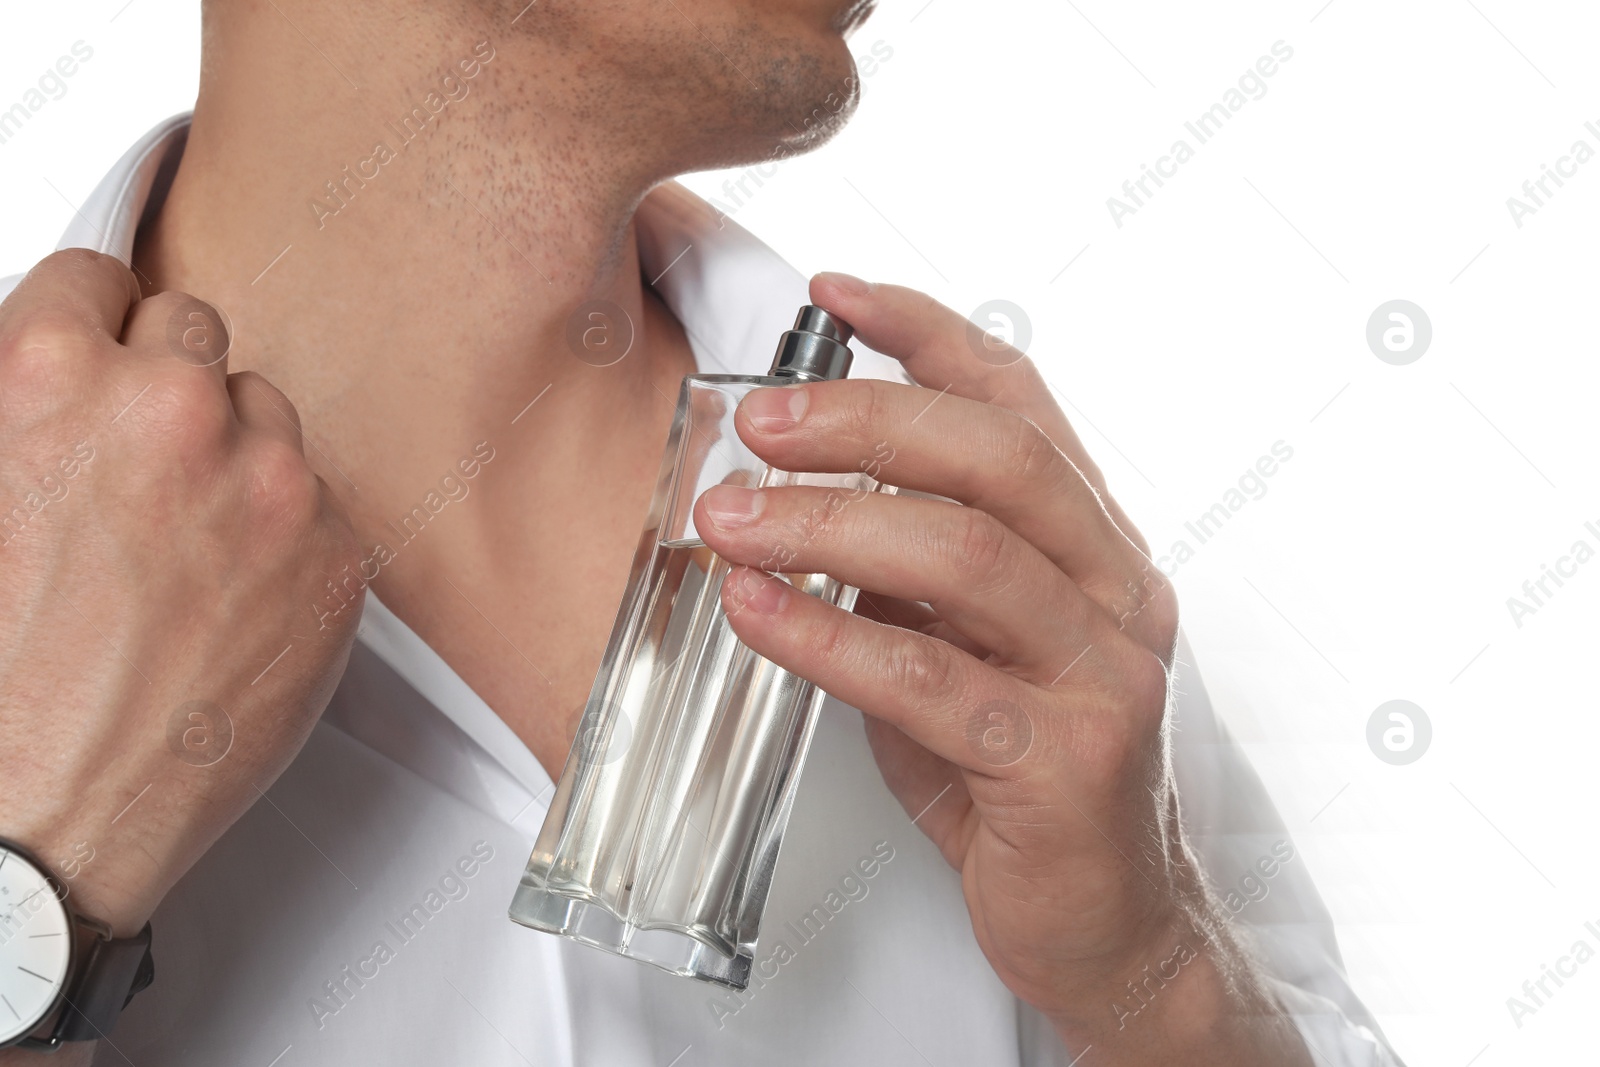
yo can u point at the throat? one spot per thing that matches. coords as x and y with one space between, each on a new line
519 598
431 339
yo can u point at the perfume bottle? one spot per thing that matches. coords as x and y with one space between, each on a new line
663 835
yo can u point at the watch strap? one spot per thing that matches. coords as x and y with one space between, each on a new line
112 971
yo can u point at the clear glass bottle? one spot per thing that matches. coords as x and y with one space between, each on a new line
663 835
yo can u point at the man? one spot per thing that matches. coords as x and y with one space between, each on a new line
410 262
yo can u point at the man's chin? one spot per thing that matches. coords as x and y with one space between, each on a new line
819 125
767 91
783 133
814 106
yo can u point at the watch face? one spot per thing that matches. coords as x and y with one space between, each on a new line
35 946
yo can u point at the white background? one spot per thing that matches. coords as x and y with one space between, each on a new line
1227 314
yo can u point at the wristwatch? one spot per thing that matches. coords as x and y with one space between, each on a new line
63 977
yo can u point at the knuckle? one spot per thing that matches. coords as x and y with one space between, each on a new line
865 414
284 490
1145 605
1127 729
977 544
1028 453
922 308
186 411
45 365
49 337
832 638
919 670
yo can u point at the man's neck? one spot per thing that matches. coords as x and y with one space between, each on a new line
403 261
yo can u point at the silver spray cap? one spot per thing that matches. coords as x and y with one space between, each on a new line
816 350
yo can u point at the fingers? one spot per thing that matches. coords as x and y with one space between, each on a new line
910 615
74 289
924 687
985 456
944 352
262 408
181 328
940 349
982 455
985 581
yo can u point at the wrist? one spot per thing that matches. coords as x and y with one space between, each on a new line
1189 995
118 888
123 907
89 969
1155 976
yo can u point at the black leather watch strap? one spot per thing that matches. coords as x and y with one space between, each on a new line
112 971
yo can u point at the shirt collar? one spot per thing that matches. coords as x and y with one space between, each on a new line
732 293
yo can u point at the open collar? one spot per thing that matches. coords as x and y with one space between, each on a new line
733 294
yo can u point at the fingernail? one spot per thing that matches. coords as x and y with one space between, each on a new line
775 409
730 506
760 592
848 282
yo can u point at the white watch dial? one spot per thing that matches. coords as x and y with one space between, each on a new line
35 946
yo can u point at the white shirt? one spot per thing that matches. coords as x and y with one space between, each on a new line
359 914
